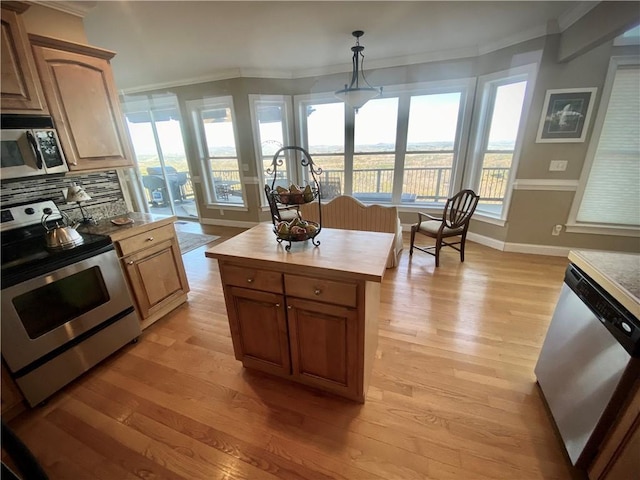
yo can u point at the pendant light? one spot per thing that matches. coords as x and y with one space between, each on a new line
359 91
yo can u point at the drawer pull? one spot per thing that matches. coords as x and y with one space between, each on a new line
249 280
277 305
130 262
317 291
150 239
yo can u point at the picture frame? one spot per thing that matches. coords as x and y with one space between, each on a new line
566 115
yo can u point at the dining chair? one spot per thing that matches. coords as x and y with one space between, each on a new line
453 223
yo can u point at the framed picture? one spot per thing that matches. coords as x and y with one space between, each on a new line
566 114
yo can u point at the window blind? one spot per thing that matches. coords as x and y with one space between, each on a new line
612 193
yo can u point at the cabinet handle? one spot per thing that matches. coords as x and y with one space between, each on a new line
317 291
130 262
150 239
277 304
73 163
249 280
289 307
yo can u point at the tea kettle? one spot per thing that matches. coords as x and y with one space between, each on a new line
61 237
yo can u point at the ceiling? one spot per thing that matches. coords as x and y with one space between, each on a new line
163 43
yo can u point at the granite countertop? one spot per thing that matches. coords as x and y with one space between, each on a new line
618 273
141 223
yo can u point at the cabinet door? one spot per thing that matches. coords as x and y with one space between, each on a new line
83 101
259 329
20 88
324 345
156 277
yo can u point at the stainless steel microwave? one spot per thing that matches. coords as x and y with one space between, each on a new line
30 146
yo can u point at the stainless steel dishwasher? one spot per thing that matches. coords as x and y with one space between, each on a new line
587 364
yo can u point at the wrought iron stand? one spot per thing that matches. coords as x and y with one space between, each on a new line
294 199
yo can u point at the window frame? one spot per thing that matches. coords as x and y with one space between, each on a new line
149 103
195 107
300 103
481 126
286 102
572 225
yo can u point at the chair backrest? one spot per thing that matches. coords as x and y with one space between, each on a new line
459 208
273 207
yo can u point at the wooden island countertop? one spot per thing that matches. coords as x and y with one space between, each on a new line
348 253
310 314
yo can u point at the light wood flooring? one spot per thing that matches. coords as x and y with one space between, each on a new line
452 395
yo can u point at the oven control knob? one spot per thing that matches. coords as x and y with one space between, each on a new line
48 211
29 211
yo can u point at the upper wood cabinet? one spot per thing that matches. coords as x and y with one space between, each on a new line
81 94
20 89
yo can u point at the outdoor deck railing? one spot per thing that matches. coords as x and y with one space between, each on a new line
428 184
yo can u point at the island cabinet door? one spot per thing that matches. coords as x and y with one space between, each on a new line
259 329
324 345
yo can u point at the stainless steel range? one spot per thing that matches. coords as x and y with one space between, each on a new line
63 309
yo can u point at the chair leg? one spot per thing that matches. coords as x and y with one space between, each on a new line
413 237
438 247
462 243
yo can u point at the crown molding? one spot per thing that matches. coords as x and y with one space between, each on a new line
570 17
77 8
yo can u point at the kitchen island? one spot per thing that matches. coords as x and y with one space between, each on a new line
310 314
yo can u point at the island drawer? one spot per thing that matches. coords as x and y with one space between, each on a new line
256 279
147 239
330 291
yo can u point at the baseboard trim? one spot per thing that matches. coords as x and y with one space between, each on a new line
529 248
550 250
486 241
227 223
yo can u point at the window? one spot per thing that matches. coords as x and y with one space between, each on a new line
504 99
404 148
155 129
323 130
430 153
374 151
609 195
270 116
213 120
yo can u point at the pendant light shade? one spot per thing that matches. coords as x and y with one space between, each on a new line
359 91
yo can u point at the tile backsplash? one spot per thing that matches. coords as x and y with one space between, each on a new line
104 189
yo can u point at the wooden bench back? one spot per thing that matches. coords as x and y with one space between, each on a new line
347 213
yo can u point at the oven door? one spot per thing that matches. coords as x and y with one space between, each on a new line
44 313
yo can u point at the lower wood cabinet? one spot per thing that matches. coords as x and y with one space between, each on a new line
619 455
314 342
155 273
324 342
258 321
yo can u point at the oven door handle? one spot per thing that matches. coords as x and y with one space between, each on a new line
34 146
